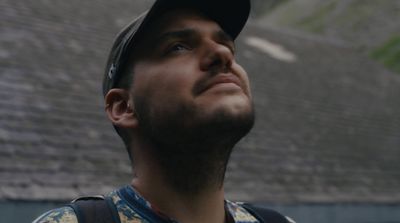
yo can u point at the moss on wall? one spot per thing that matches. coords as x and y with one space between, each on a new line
389 53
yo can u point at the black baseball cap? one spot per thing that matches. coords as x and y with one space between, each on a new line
231 15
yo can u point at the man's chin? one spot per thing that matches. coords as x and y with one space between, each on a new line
231 106
229 117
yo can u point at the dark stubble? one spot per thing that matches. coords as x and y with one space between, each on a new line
193 152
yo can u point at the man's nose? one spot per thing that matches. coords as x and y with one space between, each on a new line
216 57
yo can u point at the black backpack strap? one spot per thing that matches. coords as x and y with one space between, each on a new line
96 209
265 215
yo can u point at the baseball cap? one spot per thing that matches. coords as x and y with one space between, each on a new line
231 15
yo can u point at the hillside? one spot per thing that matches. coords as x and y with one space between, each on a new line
370 26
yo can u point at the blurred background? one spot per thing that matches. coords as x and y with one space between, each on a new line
326 81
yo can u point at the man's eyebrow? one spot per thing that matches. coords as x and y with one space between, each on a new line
219 35
175 34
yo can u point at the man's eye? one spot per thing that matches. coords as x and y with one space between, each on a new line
178 47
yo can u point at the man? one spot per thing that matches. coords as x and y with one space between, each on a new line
180 102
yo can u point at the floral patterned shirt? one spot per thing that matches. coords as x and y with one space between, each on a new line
133 208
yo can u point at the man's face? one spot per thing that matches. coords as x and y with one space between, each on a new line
186 80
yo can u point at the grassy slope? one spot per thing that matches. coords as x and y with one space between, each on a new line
389 54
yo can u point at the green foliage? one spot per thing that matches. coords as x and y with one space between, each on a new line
389 54
316 21
262 7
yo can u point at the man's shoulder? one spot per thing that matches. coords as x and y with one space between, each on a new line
59 215
66 214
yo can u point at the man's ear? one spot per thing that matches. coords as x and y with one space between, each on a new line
119 108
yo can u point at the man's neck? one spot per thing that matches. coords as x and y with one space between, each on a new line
186 186
206 206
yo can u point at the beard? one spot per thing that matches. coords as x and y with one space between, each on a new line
191 148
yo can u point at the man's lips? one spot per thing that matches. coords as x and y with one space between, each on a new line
222 79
